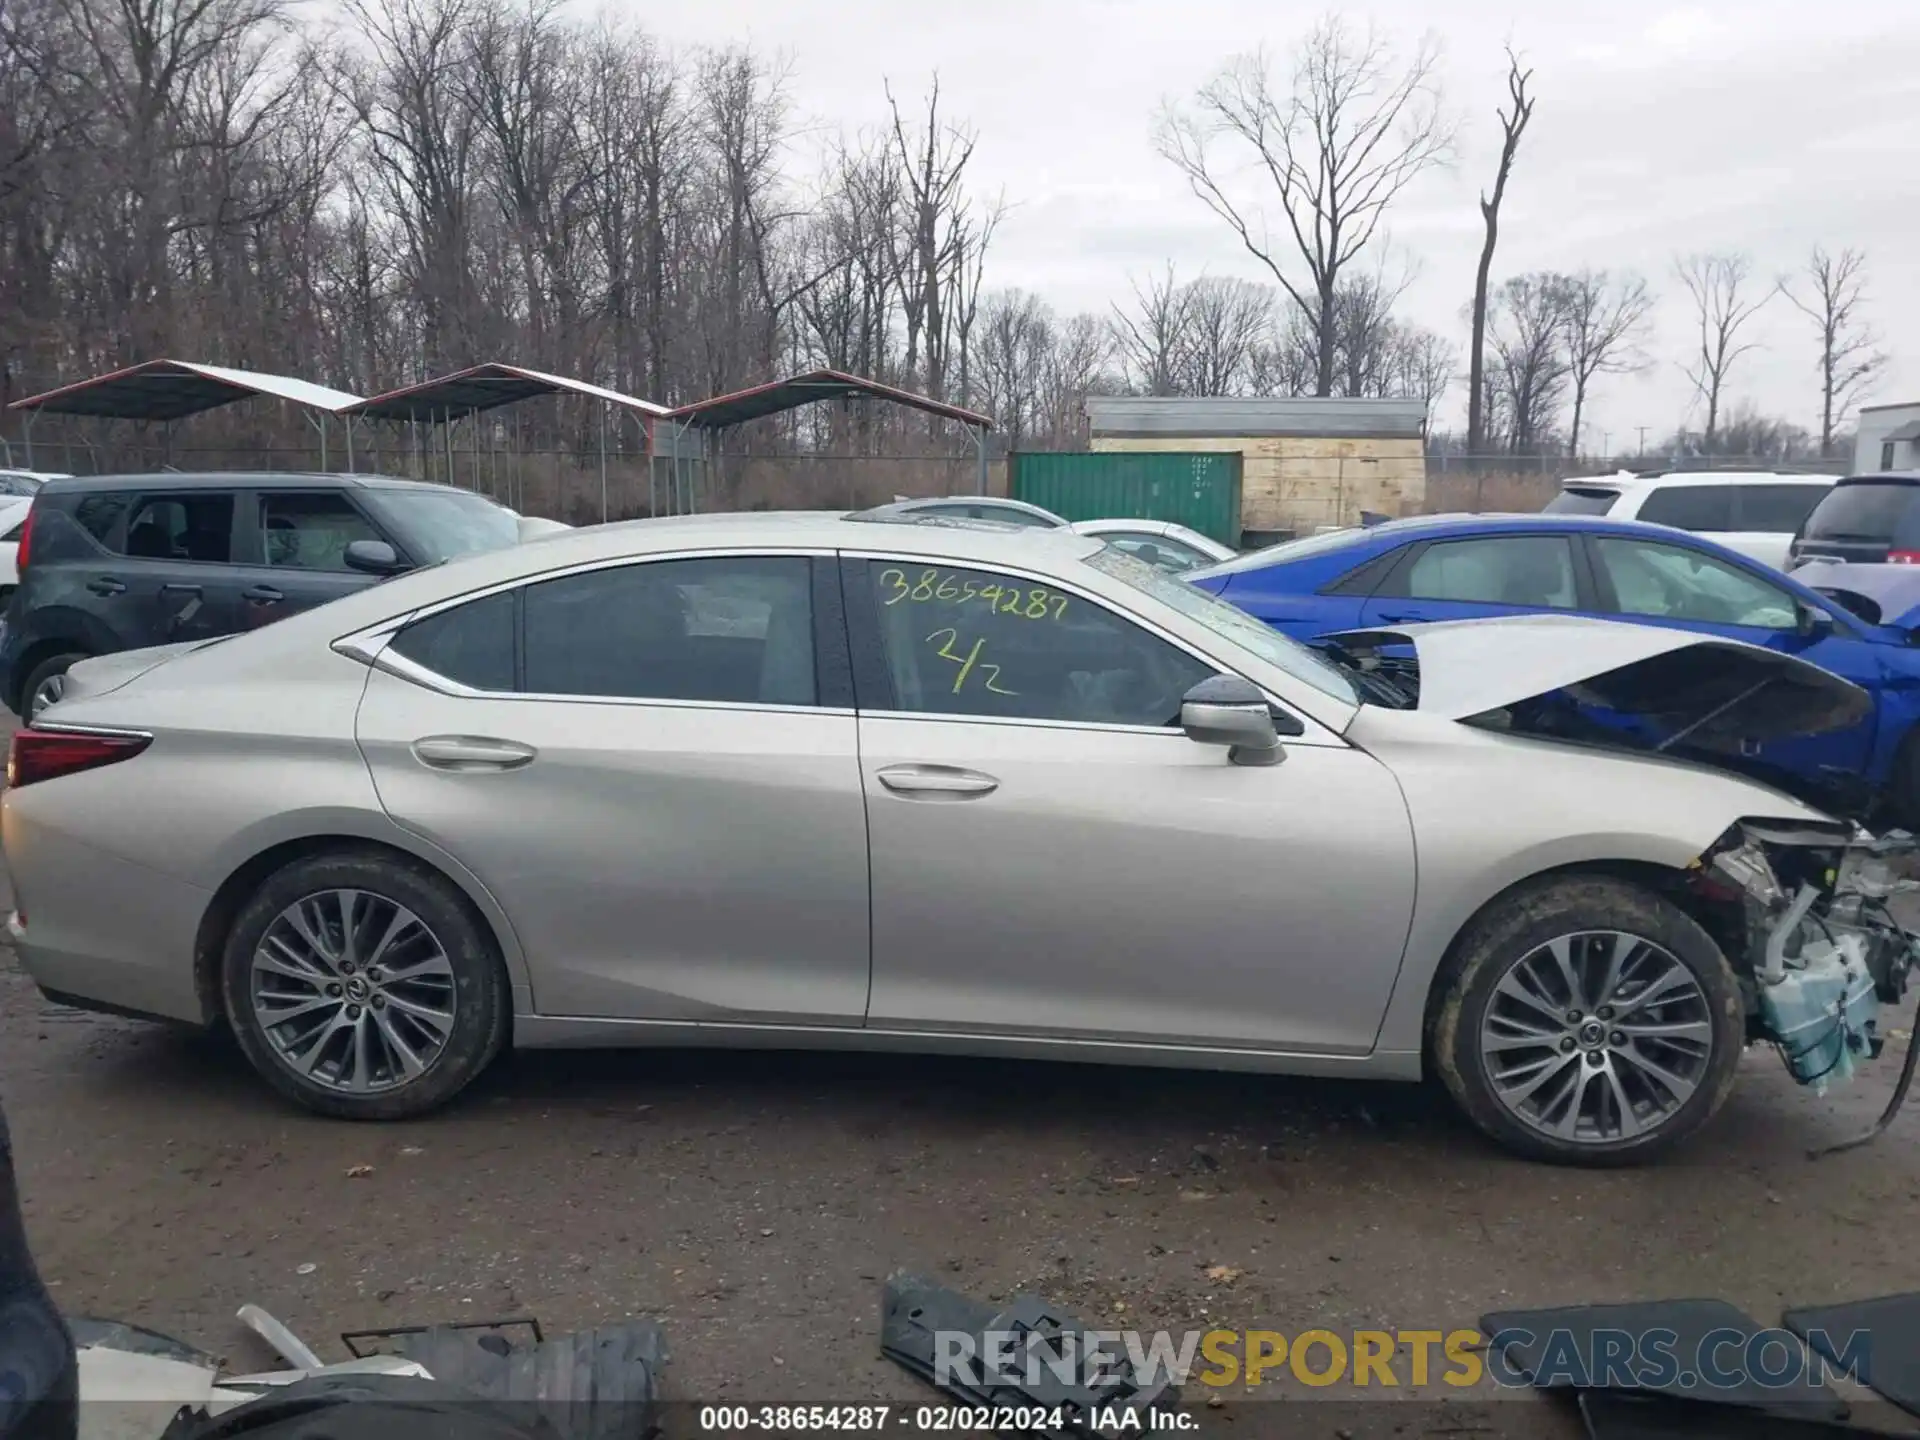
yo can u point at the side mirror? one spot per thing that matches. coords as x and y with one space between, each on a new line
373 557
1814 623
1230 710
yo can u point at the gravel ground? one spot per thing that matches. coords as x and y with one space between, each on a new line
754 1202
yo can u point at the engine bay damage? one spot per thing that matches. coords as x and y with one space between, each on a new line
1817 949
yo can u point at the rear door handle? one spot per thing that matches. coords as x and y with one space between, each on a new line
471 752
263 594
179 588
936 780
107 585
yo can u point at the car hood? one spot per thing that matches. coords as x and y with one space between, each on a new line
1468 668
1877 594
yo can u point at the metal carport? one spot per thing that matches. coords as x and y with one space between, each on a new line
170 390
465 394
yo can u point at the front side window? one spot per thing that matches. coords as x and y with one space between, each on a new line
310 531
729 628
1534 571
1670 582
973 642
197 527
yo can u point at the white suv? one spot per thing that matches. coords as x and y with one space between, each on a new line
1756 512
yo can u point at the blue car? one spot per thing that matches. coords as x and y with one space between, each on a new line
1862 622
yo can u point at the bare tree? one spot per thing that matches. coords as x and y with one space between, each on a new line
1835 290
1353 131
1226 322
1513 124
1154 339
1526 324
1604 318
1423 367
1722 307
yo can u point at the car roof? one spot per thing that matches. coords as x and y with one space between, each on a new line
1423 527
227 479
1883 477
1653 479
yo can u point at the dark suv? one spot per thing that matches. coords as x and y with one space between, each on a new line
1864 520
120 562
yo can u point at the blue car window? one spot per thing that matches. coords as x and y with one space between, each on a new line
1526 570
1669 582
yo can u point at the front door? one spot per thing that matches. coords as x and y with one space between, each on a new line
1052 857
653 783
293 552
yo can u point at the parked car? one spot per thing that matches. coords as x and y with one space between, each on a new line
816 780
1865 519
118 562
974 507
1173 548
22 484
1457 567
13 520
1755 512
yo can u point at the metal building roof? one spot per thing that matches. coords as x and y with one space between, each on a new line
174 389
1225 417
720 411
483 387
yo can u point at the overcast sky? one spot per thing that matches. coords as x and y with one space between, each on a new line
1759 125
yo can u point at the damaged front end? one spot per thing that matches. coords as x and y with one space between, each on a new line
1818 950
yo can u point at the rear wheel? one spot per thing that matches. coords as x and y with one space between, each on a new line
43 683
1589 1022
360 985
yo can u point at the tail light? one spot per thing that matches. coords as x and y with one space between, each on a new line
38 755
1903 557
26 539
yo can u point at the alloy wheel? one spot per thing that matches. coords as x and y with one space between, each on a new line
1596 1037
353 991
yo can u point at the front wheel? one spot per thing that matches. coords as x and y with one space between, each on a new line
361 985
1588 1022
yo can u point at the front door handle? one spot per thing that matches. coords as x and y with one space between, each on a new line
179 588
471 752
936 780
263 594
107 585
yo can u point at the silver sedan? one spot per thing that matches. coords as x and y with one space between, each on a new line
828 781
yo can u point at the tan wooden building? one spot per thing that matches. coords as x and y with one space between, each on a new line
1307 463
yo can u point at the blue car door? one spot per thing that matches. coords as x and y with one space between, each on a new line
1510 573
1679 585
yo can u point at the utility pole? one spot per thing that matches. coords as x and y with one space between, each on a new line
1643 441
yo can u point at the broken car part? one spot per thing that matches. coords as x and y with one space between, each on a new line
1603 1347
366 1407
288 1346
598 1384
1891 1363
1028 1355
355 1339
1816 948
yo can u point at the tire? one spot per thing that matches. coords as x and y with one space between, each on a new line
1482 1035
40 675
286 978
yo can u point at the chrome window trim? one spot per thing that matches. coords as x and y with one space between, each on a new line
372 645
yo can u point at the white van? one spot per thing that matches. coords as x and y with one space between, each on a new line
1757 512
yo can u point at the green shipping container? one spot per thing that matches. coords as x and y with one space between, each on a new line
1200 490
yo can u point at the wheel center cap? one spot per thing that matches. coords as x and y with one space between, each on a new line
357 989
1592 1033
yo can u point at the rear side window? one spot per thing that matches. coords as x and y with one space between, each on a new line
196 527
1776 509
735 628
1866 510
98 515
1582 500
471 644
1529 570
1690 507
310 531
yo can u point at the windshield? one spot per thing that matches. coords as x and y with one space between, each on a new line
1582 500
438 525
1228 622
1861 510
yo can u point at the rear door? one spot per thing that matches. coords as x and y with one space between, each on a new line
175 579
1511 573
293 551
1864 521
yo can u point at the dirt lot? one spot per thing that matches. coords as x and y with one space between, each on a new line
753 1203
